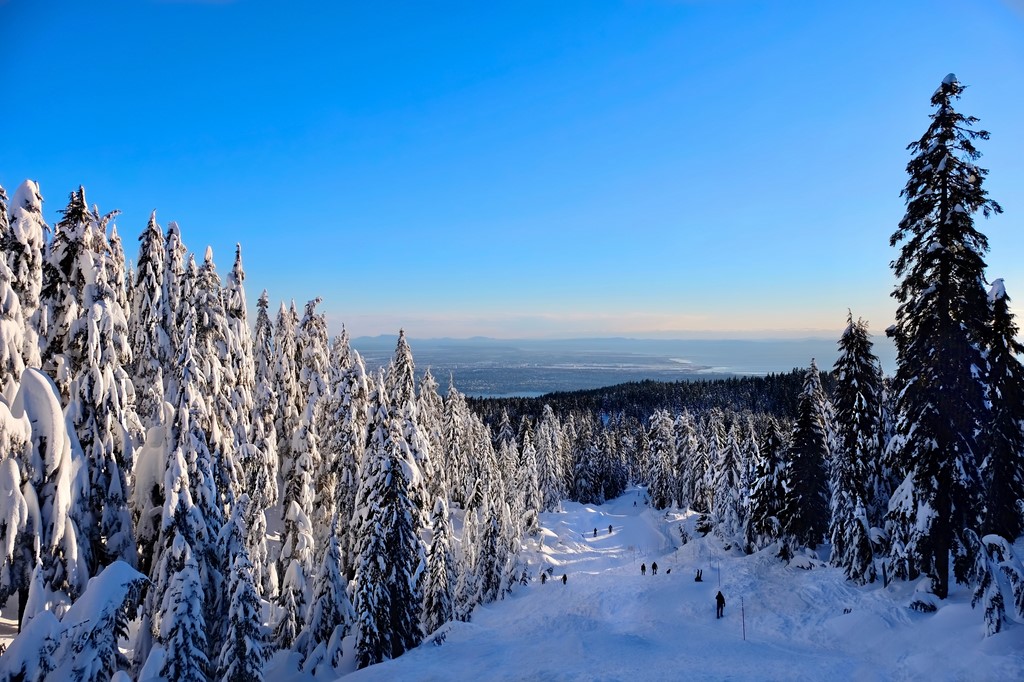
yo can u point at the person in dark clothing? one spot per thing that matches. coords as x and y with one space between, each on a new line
720 602
595 532
643 569
543 578
699 578
654 568
609 529
565 578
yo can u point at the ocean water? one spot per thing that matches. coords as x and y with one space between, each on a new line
500 368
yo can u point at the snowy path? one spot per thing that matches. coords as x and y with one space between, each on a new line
610 623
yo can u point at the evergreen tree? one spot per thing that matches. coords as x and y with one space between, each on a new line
307 444
259 465
730 488
856 474
67 260
12 335
661 456
148 335
245 650
804 514
171 303
102 412
857 459
330 614
388 578
939 333
286 387
439 585
182 629
1003 468
24 246
768 490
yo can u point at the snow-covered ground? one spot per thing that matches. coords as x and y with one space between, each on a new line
610 623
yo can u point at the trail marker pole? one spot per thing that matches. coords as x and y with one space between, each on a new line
719 573
743 619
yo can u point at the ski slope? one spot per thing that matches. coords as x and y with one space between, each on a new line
610 623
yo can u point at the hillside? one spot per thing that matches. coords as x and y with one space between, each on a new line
610 623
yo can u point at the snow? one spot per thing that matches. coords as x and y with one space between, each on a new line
998 290
949 79
781 623
26 196
610 623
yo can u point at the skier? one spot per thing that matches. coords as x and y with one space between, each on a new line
609 529
565 578
654 568
643 569
720 601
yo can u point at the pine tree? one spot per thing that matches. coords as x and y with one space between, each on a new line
67 260
857 459
939 333
101 410
330 614
286 386
661 456
171 306
182 632
549 453
804 514
439 585
260 465
148 335
213 347
245 650
307 444
730 488
12 335
24 246
347 440
768 492
391 557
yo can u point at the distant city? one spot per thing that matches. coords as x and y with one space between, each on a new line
485 367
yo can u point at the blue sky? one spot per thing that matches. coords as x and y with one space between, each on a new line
528 169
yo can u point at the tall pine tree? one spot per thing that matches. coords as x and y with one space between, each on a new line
939 332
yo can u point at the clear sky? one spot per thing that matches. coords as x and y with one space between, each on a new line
520 169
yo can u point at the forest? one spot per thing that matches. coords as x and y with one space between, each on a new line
185 490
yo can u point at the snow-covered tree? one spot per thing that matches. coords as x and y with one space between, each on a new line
102 412
388 575
46 470
286 386
66 262
330 613
804 513
857 460
259 464
439 584
661 457
149 339
730 487
1002 469
182 626
939 332
171 307
24 245
768 491
245 650
549 453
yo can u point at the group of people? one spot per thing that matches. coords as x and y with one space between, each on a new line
654 568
